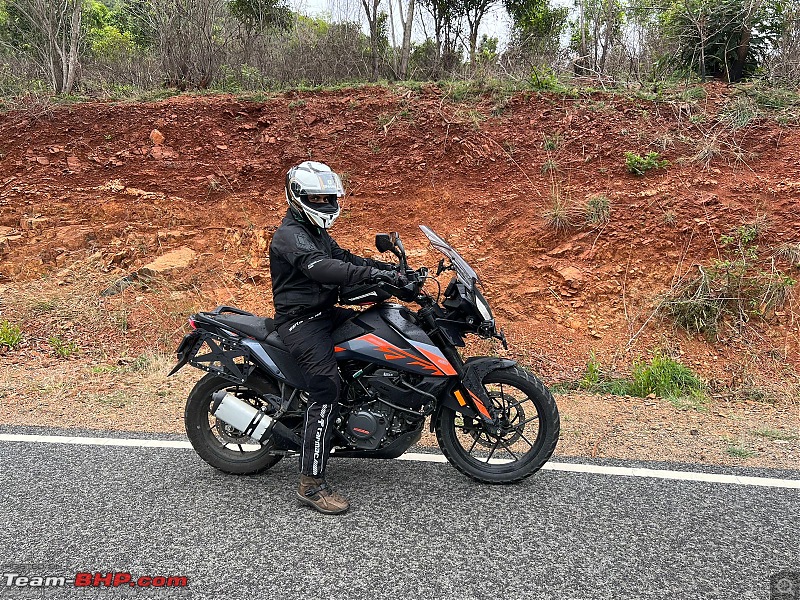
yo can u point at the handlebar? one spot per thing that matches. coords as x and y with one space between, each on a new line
410 291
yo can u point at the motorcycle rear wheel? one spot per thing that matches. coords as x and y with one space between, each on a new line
219 444
529 430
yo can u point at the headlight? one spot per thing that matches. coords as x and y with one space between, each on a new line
483 308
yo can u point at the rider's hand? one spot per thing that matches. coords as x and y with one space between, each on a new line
392 277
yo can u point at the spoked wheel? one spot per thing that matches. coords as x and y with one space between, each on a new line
525 439
219 444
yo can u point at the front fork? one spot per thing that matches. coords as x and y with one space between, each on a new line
469 393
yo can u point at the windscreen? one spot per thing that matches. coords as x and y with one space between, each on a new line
465 272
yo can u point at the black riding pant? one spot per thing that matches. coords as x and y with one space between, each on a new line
310 343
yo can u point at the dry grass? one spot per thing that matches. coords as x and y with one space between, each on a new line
707 150
130 393
788 252
70 307
719 143
560 215
597 210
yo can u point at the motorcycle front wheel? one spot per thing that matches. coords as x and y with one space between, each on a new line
220 445
527 436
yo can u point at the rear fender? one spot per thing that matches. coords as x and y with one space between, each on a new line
185 351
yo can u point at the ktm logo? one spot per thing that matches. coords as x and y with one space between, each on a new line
364 431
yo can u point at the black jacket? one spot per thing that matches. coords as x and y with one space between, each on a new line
307 268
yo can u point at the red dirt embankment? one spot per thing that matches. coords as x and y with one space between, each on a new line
109 187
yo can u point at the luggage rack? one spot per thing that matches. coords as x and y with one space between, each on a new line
223 358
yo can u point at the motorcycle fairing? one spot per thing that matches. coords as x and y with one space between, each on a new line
386 335
470 398
423 359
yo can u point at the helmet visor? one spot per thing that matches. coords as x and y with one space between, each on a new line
321 203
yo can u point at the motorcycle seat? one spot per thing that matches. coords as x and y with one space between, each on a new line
273 339
251 326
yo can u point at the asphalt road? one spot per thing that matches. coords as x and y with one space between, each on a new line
415 530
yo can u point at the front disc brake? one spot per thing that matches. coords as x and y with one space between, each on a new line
511 415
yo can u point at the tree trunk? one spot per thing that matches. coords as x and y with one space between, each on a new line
737 69
405 53
75 36
580 64
395 62
372 19
473 44
611 23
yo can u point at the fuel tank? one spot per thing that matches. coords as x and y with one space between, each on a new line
387 335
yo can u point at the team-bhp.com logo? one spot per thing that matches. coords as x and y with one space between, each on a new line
87 580
785 585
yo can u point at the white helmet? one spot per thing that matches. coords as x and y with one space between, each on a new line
317 180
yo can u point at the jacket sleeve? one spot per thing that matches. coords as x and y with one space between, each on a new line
349 257
298 249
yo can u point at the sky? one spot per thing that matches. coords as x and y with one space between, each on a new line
496 23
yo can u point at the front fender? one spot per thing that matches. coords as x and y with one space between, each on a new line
481 365
475 369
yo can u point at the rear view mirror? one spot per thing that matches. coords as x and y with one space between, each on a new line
383 242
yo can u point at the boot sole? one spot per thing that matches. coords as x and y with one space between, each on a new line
318 508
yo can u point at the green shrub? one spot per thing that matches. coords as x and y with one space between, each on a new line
596 380
10 335
62 348
110 43
662 376
544 79
639 165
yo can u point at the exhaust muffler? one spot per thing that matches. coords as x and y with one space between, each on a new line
248 419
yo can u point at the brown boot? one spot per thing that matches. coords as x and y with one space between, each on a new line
315 492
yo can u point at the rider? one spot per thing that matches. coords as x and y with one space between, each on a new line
307 268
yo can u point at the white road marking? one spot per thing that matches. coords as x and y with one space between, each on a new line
92 441
438 458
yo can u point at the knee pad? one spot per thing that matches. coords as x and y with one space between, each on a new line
323 390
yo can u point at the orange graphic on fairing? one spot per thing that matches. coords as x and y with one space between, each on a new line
440 361
479 405
437 366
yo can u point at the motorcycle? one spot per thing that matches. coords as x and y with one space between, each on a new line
494 420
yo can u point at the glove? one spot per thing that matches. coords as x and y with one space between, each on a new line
392 277
386 266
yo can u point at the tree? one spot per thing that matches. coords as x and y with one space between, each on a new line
105 37
259 15
446 15
474 11
598 27
727 39
401 65
50 32
537 26
371 11
190 38
784 62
